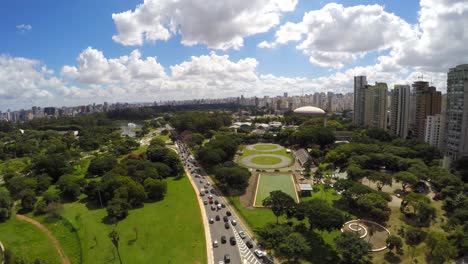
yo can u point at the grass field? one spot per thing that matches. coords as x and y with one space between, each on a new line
25 240
169 231
247 152
323 193
264 147
269 183
265 160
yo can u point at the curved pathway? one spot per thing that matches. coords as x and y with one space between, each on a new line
252 147
247 161
49 234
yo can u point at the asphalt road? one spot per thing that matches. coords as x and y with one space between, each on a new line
239 253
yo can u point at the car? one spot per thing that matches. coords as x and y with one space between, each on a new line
205 202
216 202
232 240
201 182
211 220
226 225
206 190
215 243
233 222
225 218
208 183
259 253
223 239
217 218
213 207
242 234
249 244
211 201
210 196
219 207
228 213
437 197
227 258
202 194
223 205
220 262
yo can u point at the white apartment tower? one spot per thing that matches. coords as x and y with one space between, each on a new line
434 131
400 110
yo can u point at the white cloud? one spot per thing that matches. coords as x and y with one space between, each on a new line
93 68
22 80
217 24
336 35
23 27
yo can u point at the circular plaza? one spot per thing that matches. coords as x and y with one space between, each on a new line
265 156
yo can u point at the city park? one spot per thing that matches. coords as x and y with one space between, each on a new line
372 181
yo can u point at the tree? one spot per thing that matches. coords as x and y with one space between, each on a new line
232 177
272 235
54 210
19 183
155 189
406 179
352 249
102 164
53 165
321 216
114 237
440 248
117 209
380 179
373 206
28 200
293 246
279 203
394 241
414 236
418 207
70 186
5 204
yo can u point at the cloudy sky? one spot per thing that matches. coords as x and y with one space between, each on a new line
55 52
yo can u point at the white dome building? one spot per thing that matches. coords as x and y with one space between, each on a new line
309 111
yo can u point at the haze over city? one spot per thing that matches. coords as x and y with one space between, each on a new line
58 54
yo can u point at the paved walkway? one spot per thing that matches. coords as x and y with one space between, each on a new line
49 234
247 161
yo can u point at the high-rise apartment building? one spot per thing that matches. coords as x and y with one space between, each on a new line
428 102
400 110
434 131
375 105
360 83
456 124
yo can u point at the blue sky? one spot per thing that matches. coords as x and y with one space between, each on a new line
61 30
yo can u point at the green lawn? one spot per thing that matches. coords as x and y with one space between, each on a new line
18 164
255 217
265 160
264 147
67 236
269 183
169 231
24 239
320 192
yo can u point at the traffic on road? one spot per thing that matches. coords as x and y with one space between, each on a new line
231 242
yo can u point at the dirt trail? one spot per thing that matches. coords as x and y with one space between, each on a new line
52 238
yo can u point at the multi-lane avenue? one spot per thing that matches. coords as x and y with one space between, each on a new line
238 246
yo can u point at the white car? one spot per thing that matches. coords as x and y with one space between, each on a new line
259 253
233 222
242 234
215 243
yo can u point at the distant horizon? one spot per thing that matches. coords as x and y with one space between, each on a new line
74 53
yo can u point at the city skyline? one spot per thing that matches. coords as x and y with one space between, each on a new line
134 51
